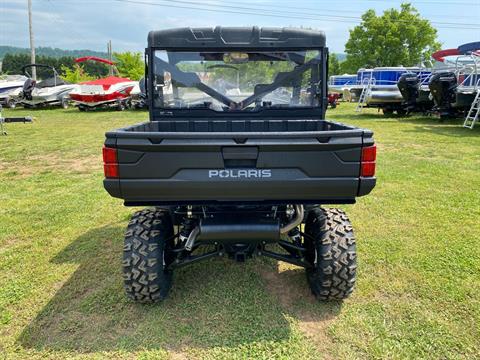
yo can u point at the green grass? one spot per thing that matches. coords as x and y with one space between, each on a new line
418 288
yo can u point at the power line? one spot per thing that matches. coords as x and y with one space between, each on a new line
430 2
278 12
229 11
282 14
343 10
254 11
296 12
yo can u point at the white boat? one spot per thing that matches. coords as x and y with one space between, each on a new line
52 91
10 88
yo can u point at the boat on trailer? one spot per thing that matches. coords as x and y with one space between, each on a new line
10 88
363 78
111 91
467 69
455 88
377 88
413 86
384 93
52 91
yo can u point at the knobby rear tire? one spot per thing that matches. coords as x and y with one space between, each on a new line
146 277
332 251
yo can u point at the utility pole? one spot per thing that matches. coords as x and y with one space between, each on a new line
110 56
32 46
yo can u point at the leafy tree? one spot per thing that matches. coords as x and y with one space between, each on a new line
75 75
398 37
95 69
333 65
130 64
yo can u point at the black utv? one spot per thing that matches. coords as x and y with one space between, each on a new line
237 159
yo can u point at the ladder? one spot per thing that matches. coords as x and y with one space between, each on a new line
473 113
367 89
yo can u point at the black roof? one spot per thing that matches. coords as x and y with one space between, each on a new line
236 38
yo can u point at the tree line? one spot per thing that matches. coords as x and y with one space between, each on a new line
128 64
49 51
13 63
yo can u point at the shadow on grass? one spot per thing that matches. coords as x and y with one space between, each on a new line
215 303
447 127
352 116
431 124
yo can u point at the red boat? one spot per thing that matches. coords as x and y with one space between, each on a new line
111 91
333 99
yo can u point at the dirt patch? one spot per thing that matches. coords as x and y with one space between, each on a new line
86 164
52 162
9 241
288 284
175 355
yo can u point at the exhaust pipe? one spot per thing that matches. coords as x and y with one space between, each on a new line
237 230
297 220
191 238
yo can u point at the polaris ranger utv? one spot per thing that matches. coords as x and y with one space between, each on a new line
237 158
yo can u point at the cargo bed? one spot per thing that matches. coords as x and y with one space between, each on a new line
237 160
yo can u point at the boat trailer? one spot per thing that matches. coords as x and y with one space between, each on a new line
4 120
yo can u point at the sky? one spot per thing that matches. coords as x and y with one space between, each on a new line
89 24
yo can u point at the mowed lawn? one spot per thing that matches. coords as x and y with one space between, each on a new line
61 236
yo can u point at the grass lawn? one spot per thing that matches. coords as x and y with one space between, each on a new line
61 235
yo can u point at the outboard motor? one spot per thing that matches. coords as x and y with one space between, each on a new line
143 86
409 84
443 87
28 87
139 101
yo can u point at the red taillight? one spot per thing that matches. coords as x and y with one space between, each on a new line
369 155
110 162
110 170
109 155
368 169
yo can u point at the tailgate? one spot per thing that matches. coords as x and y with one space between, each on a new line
316 166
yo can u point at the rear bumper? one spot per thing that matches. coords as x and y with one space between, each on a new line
170 191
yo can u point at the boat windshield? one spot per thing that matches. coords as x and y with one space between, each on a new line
8 78
236 81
